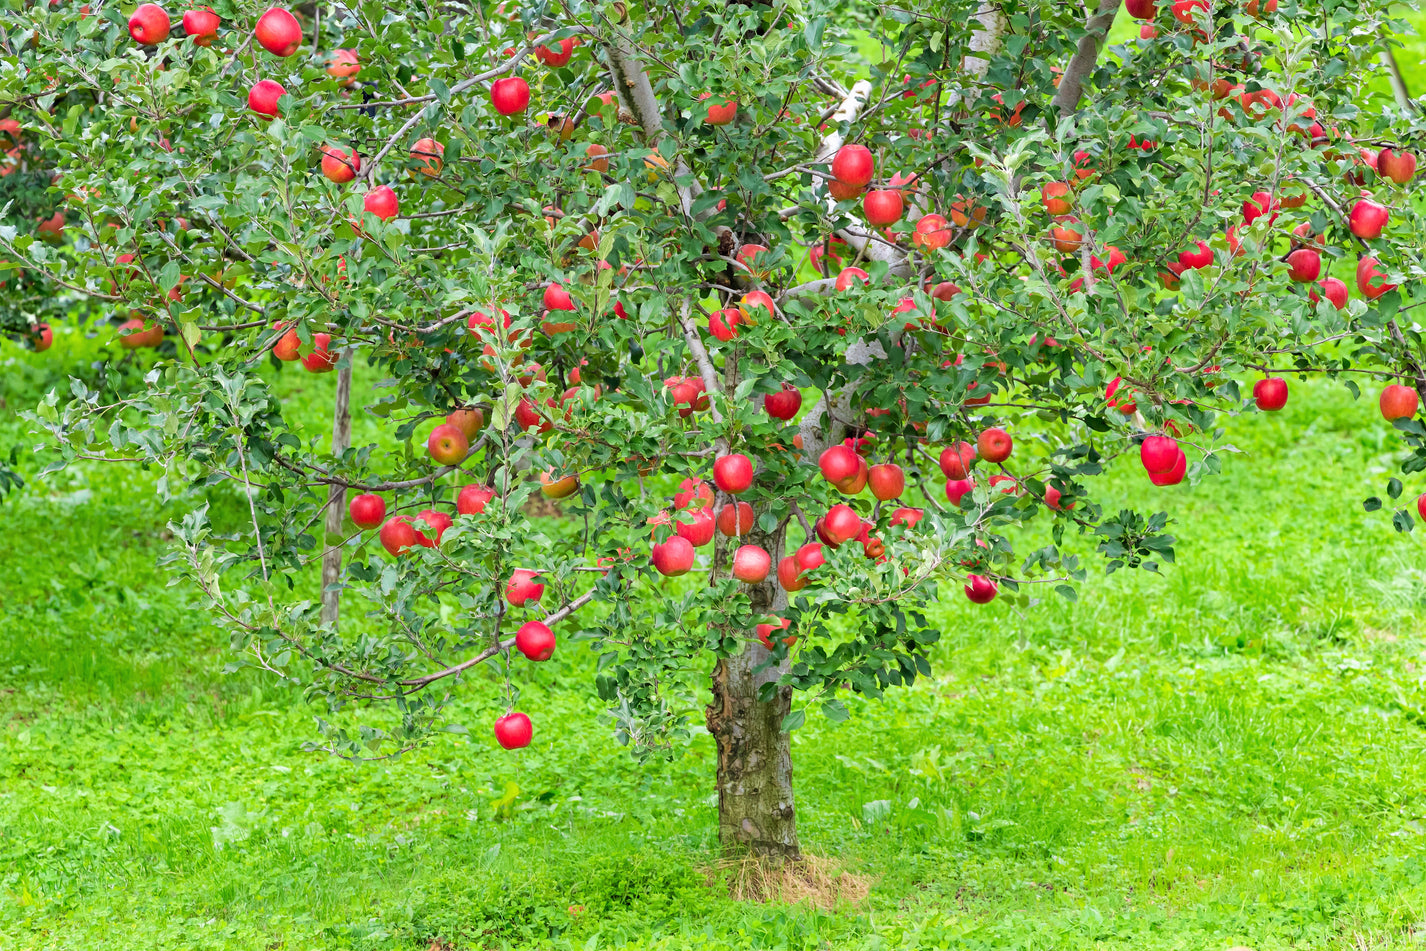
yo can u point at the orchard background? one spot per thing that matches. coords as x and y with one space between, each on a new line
1227 753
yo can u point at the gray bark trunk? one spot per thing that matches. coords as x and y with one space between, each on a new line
756 811
336 500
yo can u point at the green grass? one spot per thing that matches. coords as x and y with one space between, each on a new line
1227 754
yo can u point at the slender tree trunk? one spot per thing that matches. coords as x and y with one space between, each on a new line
755 803
336 499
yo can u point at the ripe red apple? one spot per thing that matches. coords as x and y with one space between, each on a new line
367 510
931 233
1052 497
514 731
853 166
907 516
381 201
1200 258
1367 219
289 346
435 522
809 557
1333 289
840 525
339 165
1398 402
523 587
693 493
556 56
398 535
1066 239
1421 506
755 304
887 481
733 473
674 557
556 486
447 445
1175 475
751 564
720 111
430 156
278 32
980 589
263 97
41 338
839 463
1257 205
723 324
1400 167
1270 394
510 95
850 276
535 640
698 527
957 489
468 421
149 25
827 253
1113 257
557 298
472 499
528 416
735 521
1141 9
994 445
1370 282
785 403
343 66
883 206
202 25
789 575
1304 265
1159 453
1055 198
765 632
955 460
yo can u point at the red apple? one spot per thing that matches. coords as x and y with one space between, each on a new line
1270 394
472 499
1367 219
447 445
381 201
698 527
430 156
398 535
754 304
1304 265
994 445
288 346
1400 167
1141 9
149 25
883 206
343 66
980 589
263 97
765 631
841 524
839 463
850 276
278 32
955 460
785 403
367 510
202 25
751 564
723 324
557 298
1333 289
733 473
137 332
514 731
510 95
1370 282
1398 402
931 233
1175 475
789 575
556 56
523 587
1159 453
809 557
535 640
41 338
887 481
721 111
693 494
1055 198
957 489
339 165
853 166
435 522
674 557
1200 258
735 521
468 421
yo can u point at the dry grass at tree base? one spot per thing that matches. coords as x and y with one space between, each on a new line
810 880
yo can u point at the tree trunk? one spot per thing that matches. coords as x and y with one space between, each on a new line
336 499
755 804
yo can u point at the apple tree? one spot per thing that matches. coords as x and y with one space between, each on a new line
833 308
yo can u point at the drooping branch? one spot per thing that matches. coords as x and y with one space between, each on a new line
1085 56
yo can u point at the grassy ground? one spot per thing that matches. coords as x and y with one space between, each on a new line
1229 754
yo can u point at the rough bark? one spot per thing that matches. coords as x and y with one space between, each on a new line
1086 54
336 499
756 811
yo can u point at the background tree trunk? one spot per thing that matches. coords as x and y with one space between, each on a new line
755 804
336 499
